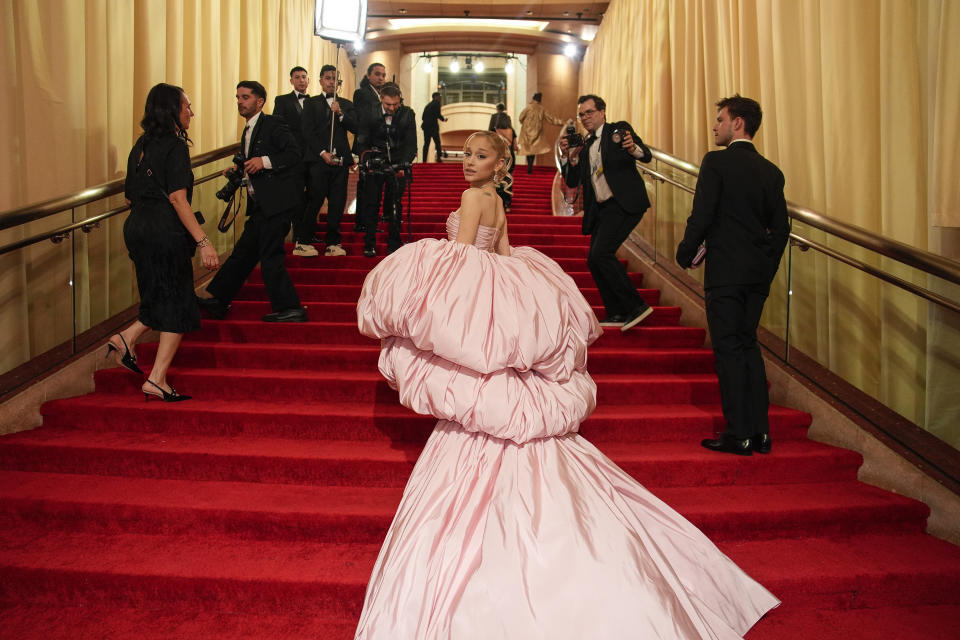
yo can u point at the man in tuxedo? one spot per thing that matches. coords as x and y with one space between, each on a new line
366 100
390 134
328 166
271 167
739 211
289 108
614 201
430 123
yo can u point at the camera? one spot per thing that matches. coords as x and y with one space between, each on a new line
617 135
375 162
234 179
574 139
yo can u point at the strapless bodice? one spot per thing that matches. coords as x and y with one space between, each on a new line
486 239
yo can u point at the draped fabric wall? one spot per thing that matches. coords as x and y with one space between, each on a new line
76 74
860 111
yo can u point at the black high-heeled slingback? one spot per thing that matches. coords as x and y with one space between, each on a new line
127 359
166 396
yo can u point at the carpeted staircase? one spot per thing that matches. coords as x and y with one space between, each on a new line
256 510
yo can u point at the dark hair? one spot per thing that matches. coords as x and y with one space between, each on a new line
375 64
597 101
436 94
295 69
255 87
739 107
538 96
391 89
161 114
501 107
327 67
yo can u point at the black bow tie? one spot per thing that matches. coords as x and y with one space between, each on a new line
328 95
301 96
591 138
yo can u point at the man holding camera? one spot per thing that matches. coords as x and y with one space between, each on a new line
329 166
388 144
614 201
271 164
366 100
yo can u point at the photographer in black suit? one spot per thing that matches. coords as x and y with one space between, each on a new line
740 212
289 108
328 167
272 169
614 201
388 138
430 123
366 100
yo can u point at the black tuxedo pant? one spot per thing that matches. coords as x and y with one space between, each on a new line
261 241
330 184
428 135
613 227
733 316
389 190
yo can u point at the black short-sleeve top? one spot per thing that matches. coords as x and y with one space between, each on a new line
168 160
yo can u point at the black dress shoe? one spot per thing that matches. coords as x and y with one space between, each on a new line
728 444
635 318
287 315
213 307
761 442
614 321
370 253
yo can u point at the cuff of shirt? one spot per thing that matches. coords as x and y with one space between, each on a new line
266 163
637 151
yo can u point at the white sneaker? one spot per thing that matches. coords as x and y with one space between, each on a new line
334 250
305 251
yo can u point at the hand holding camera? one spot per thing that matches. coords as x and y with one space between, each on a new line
624 139
234 176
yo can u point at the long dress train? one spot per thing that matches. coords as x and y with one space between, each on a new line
512 525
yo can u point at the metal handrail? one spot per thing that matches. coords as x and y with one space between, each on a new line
40 210
918 258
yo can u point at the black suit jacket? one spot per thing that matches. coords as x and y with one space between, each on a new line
367 103
402 134
620 169
288 109
316 129
740 210
280 188
500 120
431 117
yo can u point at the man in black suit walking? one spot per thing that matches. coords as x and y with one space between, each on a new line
430 123
329 167
289 108
271 166
739 211
614 201
391 133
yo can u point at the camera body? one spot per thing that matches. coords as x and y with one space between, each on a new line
617 135
234 179
573 138
376 162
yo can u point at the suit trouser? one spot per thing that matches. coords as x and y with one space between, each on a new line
427 137
733 315
614 226
375 186
261 241
326 183
303 225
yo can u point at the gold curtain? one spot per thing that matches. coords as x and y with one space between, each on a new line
77 73
860 111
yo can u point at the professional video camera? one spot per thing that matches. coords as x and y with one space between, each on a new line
574 139
234 179
376 162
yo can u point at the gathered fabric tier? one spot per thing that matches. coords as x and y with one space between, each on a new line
512 525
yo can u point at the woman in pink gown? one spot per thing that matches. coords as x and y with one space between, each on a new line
512 525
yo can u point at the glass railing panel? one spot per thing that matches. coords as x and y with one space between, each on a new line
890 343
37 311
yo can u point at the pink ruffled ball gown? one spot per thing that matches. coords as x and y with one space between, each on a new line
512 525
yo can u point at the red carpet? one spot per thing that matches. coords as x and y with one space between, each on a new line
256 510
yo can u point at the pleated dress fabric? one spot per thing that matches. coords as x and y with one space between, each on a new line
512 525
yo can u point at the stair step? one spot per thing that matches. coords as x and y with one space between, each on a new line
75 502
381 463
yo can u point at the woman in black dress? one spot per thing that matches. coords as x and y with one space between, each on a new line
162 235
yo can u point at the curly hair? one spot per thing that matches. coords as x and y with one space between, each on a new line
161 114
501 147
